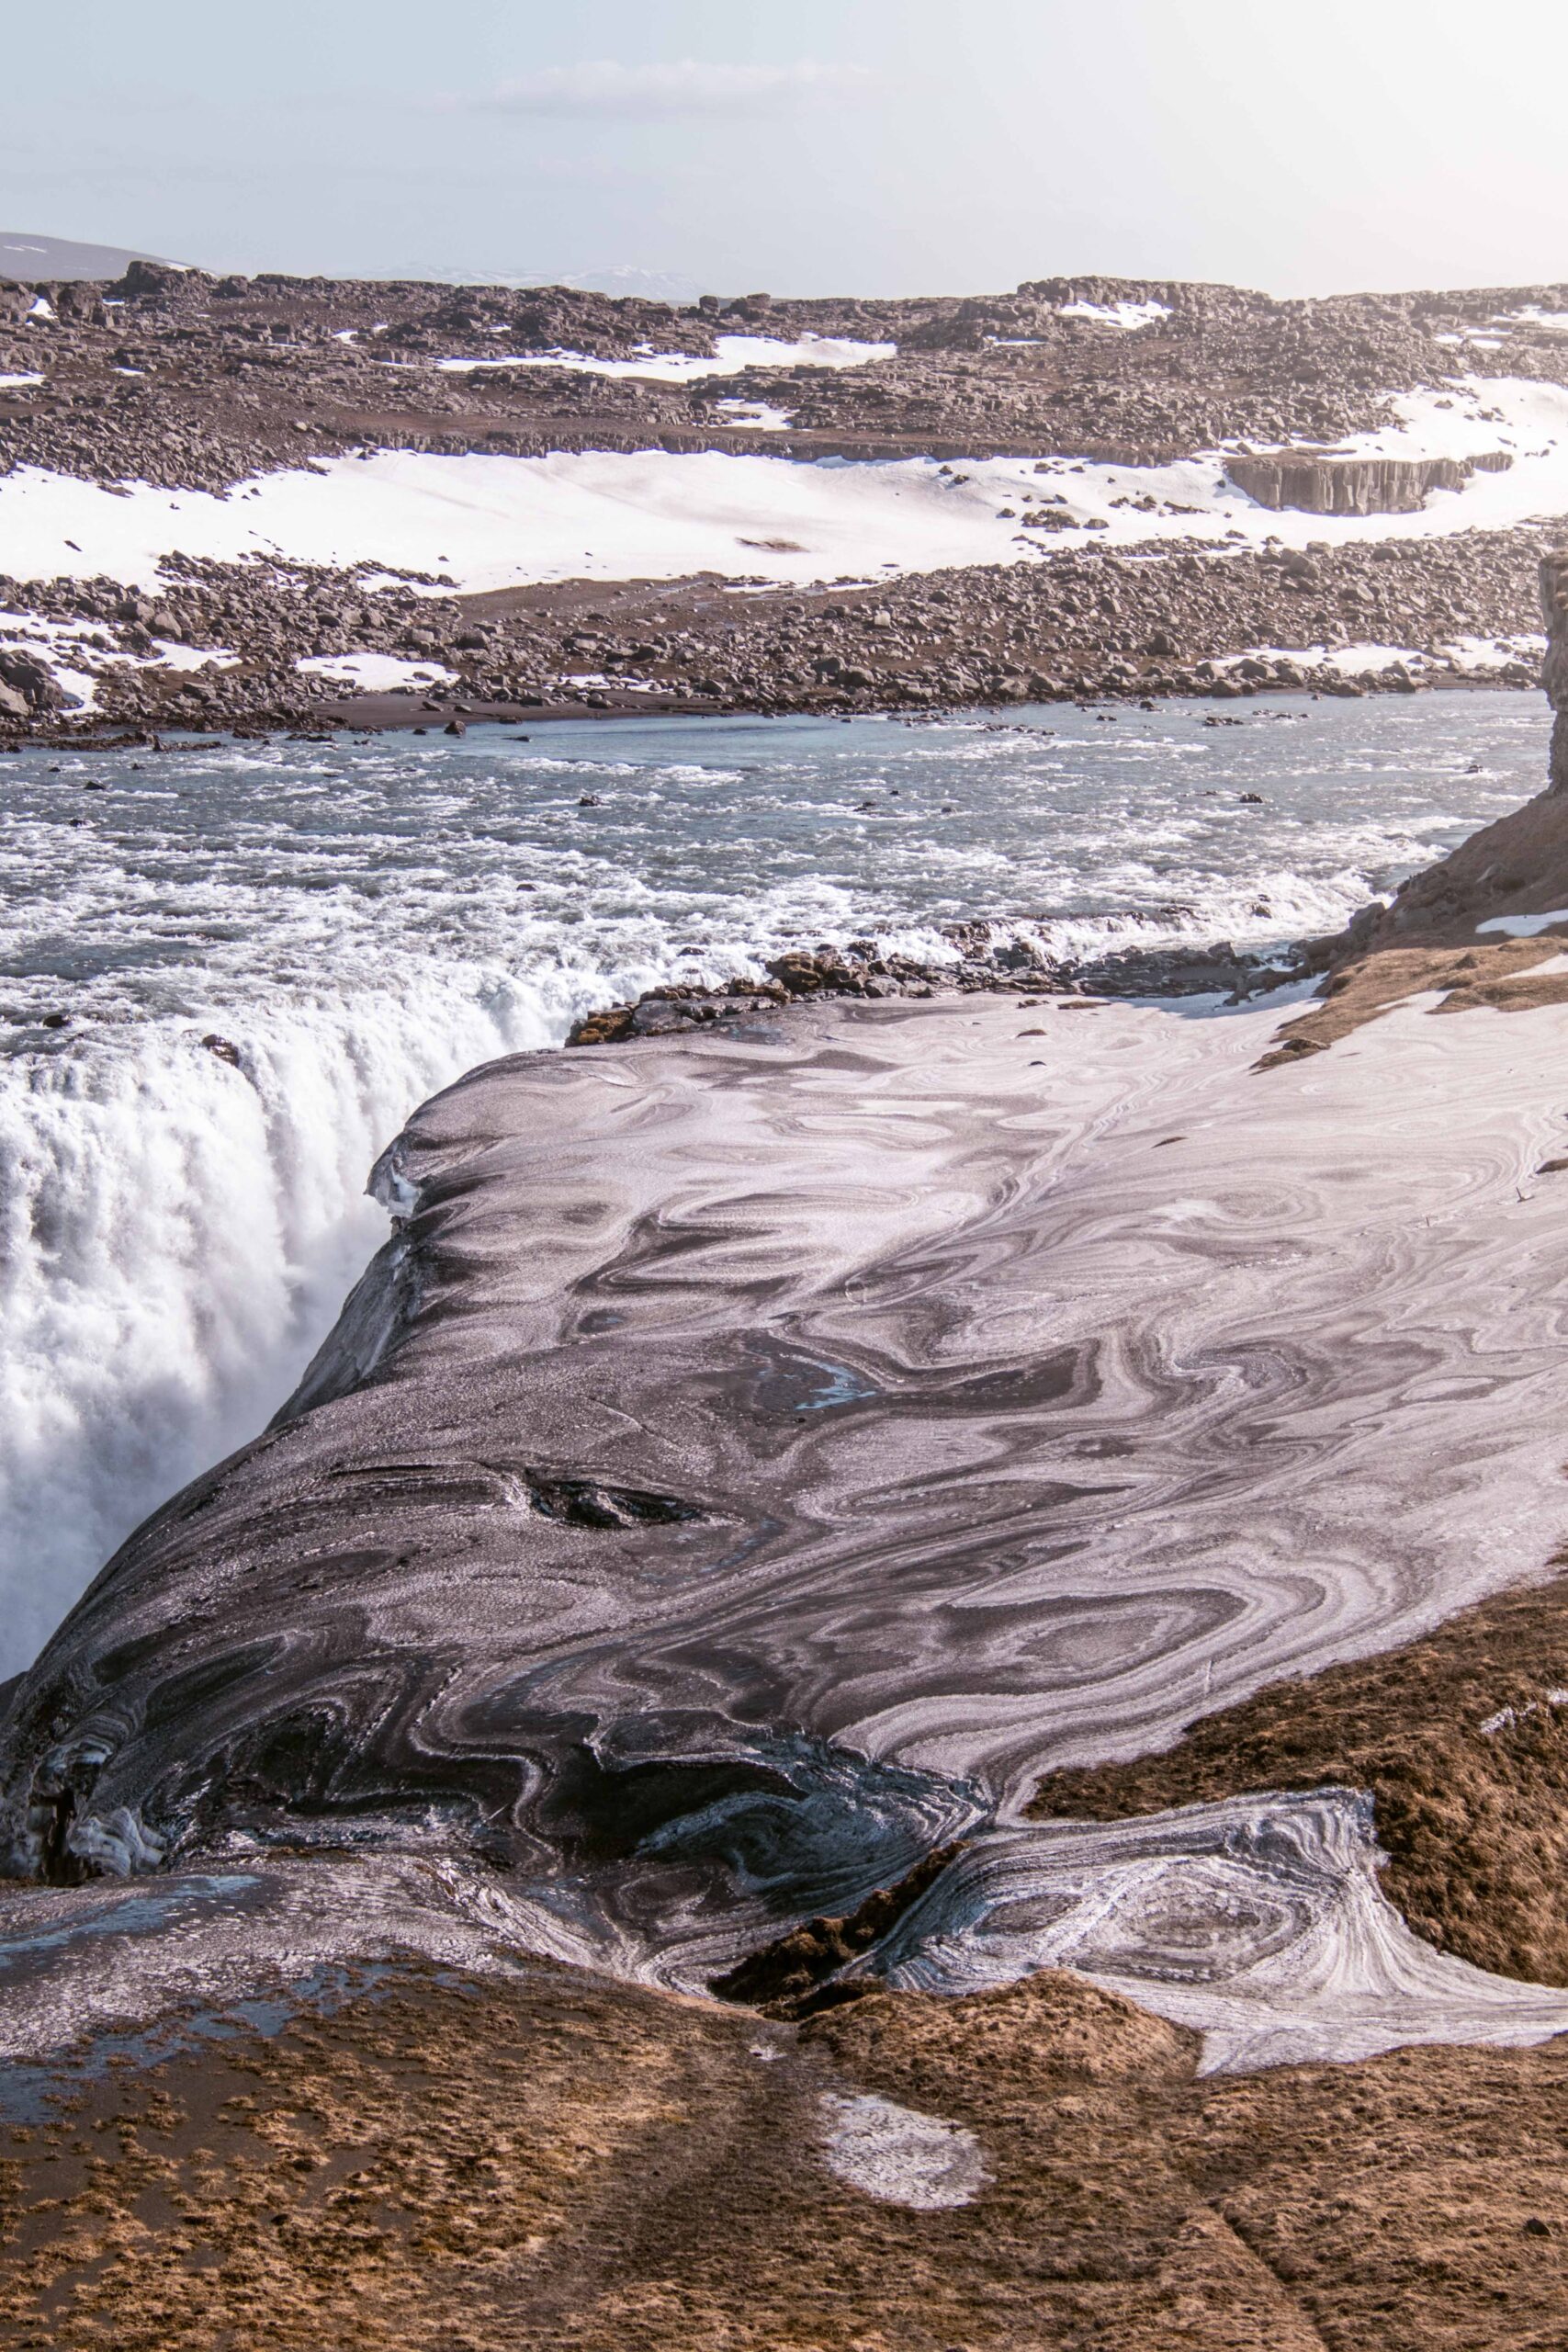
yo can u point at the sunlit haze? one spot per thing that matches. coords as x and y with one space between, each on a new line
884 147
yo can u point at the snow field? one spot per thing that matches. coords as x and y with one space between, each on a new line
479 522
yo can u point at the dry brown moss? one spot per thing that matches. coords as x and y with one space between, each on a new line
559 2163
1504 974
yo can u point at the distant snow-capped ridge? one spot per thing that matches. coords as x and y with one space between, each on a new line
24 256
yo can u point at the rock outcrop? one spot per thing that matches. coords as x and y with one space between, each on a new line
1554 605
1322 483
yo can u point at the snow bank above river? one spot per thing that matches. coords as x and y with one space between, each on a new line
481 522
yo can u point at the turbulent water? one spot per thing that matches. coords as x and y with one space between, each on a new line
350 925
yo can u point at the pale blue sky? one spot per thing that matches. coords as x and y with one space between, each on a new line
863 146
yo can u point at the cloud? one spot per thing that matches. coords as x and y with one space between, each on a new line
686 87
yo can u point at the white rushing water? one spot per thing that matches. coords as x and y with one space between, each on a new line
355 924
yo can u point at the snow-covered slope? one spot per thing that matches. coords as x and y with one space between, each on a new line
485 522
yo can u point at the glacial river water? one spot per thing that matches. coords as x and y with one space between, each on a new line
356 922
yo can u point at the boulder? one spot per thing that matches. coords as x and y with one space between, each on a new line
28 677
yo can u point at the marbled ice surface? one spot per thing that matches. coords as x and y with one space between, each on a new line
1258 1921
770 1451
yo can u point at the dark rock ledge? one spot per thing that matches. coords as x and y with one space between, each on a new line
988 958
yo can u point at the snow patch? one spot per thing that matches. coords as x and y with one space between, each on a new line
1532 315
1506 1715
732 354
1129 316
600 681
489 521
1523 927
1493 652
1373 661
899 2155
377 673
760 415
76 653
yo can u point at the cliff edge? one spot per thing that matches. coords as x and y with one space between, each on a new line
1487 924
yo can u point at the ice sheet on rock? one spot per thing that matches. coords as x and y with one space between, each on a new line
1258 1921
107 1957
1011 1401
14 383
899 2155
1524 926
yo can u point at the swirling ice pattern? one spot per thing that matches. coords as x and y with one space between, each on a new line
758 1457
1258 1921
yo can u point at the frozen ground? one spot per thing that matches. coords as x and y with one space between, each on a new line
487 522
506 521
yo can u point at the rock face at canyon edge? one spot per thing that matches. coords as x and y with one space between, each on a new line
1554 605
1319 482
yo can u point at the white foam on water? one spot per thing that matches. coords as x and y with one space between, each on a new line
175 1235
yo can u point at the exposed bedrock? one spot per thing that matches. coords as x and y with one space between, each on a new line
758 1454
1554 607
1322 483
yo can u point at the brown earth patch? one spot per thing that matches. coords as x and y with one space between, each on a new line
558 2161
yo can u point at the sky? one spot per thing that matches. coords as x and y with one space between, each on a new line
835 146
